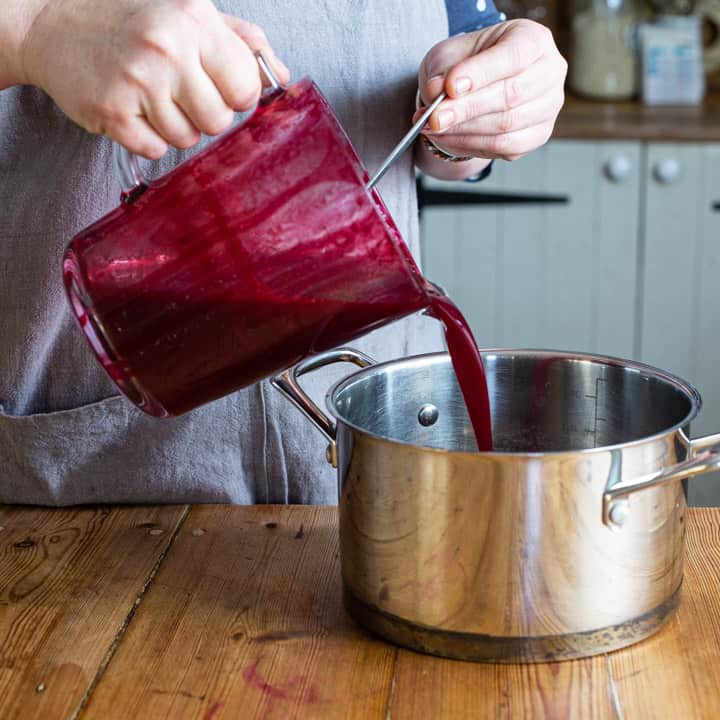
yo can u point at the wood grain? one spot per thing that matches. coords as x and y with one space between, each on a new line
244 620
596 120
69 580
676 674
431 688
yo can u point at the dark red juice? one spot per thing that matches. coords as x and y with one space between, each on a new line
467 363
254 253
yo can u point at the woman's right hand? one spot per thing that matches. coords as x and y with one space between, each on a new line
146 73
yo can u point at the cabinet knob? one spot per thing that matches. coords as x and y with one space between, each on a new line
618 168
668 171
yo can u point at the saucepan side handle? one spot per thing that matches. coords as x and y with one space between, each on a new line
703 456
132 181
288 384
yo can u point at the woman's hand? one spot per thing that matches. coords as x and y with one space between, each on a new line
505 87
147 73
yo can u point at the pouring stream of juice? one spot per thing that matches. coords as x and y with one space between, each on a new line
466 358
468 365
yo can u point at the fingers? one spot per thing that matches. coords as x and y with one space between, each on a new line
504 93
228 79
139 137
254 37
200 99
503 96
198 92
515 51
148 73
508 121
446 55
231 66
508 146
171 123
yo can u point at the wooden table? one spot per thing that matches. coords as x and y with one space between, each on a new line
229 612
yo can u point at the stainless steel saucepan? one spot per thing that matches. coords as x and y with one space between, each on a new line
565 542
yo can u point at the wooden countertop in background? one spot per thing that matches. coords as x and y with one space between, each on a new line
234 612
592 120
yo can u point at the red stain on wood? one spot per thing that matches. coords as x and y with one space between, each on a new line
286 691
252 677
214 708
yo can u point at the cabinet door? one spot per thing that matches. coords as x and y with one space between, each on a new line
671 256
560 276
680 262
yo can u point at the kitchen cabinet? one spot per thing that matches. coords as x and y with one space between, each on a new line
680 292
610 247
543 273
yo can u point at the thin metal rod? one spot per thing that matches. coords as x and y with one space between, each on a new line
268 71
406 142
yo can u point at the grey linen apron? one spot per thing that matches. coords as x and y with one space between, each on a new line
66 436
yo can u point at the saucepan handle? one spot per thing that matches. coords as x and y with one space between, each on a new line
132 181
288 384
703 456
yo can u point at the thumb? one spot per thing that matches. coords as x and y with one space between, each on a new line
440 60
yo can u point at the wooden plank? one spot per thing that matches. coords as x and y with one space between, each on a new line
69 581
244 620
674 674
433 688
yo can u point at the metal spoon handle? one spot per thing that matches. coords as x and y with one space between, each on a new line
406 142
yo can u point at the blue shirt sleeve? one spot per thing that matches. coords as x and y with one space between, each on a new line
469 15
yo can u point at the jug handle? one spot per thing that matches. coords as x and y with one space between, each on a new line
288 384
703 456
132 181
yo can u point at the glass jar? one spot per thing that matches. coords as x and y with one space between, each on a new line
603 57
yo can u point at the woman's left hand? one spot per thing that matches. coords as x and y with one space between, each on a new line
505 87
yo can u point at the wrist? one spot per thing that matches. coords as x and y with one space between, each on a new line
444 170
16 21
434 149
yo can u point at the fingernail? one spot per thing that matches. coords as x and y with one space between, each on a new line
434 80
445 119
463 85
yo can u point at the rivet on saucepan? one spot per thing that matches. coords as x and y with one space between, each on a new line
428 415
619 512
331 454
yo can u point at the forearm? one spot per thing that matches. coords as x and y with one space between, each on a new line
444 170
16 19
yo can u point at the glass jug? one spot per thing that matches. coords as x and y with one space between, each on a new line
261 249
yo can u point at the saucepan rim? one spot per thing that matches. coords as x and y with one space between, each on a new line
685 387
